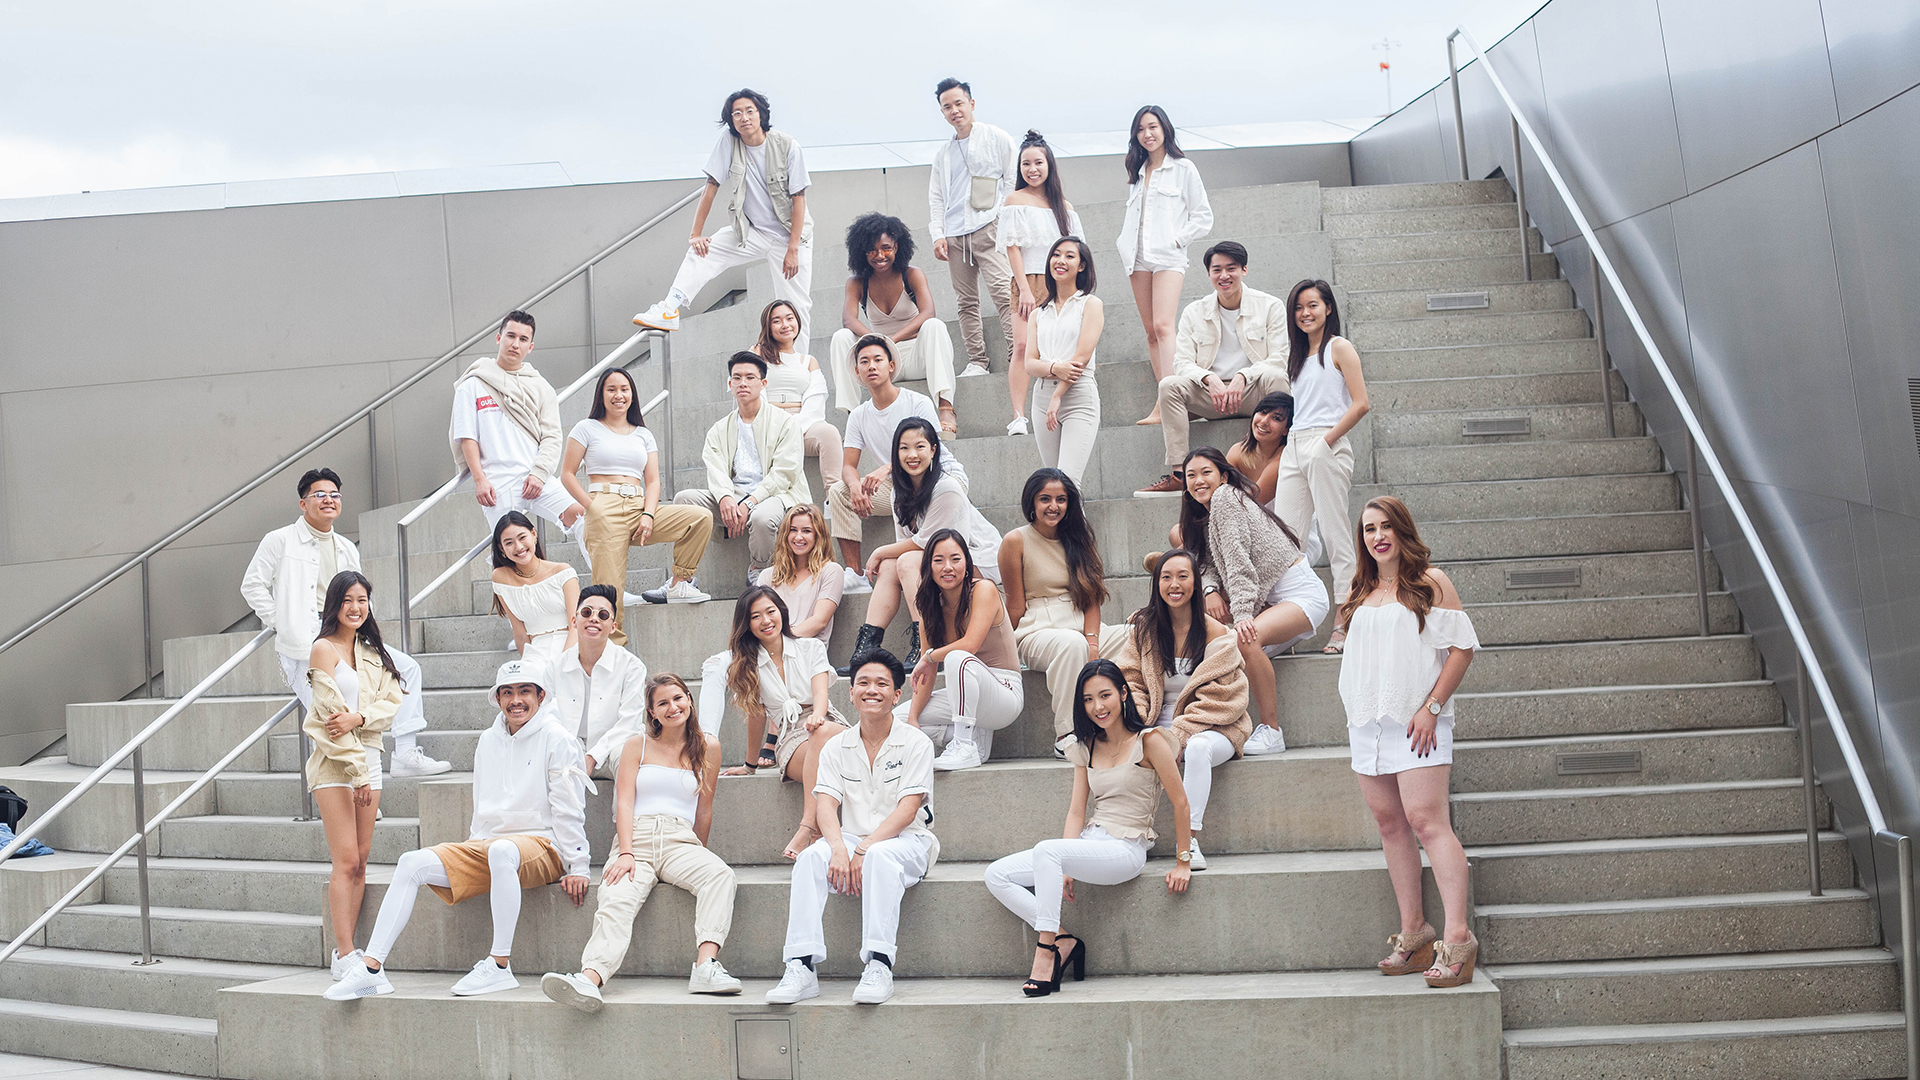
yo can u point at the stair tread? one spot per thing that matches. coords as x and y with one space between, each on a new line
119 1018
1671 903
1636 736
1642 688
1713 1029
1679 964
109 963
1626 790
1650 843
181 914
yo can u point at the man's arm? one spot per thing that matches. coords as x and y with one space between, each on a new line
1009 166
718 460
483 492
1186 350
256 586
937 193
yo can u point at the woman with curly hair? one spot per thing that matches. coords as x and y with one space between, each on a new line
889 296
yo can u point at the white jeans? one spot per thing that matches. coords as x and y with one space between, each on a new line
890 868
552 501
412 717
1206 751
418 869
976 702
726 249
1029 883
928 356
713 698
1070 446
1312 487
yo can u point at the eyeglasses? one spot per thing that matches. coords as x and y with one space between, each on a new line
599 614
324 496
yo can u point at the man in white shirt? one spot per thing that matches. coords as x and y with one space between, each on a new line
972 175
766 177
528 830
599 692
505 432
286 586
1229 352
875 794
754 457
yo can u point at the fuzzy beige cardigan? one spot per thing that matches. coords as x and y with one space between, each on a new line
1215 698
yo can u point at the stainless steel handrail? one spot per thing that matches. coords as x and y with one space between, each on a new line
363 413
1700 445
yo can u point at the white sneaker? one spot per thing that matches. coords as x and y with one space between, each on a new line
1019 425
358 982
974 369
1199 861
711 978
1060 746
632 599
876 984
679 592
852 584
660 316
414 761
575 990
344 964
959 754
486 977
798 984
1266 739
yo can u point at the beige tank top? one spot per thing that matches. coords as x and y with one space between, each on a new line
1043 565
1124 797
889 323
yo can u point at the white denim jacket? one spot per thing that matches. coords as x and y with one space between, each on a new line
1181 213
619 705
282 581
990 152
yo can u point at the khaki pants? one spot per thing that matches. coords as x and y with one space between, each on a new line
763 525
1313 484
613 525
1182 398
1052 637
928 356
664 849
967 257
843 522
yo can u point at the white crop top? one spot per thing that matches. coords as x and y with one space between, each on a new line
662 789
613 454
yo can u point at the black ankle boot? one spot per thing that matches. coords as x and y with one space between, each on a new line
913 646
870 637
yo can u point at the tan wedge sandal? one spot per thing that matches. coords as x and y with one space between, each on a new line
1446 955
1417 950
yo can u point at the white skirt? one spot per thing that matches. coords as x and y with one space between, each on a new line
1383 747
1301 586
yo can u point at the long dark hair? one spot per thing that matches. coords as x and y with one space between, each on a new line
910 500
1297 344
866 231
1137 154
1411 586
1086 575
743 674
759 102
369 632
1082 281
693 742
1050 187
1193 516
1276 402
515 517
768 348
599 410
1153 624
1085 731
933 603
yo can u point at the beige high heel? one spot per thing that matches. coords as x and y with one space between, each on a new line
1418 949
1447 955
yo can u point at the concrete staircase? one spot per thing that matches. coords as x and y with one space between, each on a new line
1628 792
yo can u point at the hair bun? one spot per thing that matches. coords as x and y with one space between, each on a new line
1033 138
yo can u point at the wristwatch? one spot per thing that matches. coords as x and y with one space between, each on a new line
1184 856
1433 707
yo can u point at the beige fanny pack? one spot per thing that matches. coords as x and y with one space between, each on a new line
983 192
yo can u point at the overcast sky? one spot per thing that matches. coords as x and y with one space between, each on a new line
119 93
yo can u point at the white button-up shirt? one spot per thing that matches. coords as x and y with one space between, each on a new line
869 792
619 699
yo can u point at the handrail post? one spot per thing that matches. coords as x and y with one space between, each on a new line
1699 535
140 826
373 464
146 628
1806 775
406 605
662 341
1520 203
593 331
1909 958
1600 336
1459 119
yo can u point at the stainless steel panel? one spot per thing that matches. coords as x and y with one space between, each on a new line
1889 546
1763 313
1873 47
1604 69
1750 79
1871 169
1407 147
1643 250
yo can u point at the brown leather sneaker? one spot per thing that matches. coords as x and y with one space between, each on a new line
1165 487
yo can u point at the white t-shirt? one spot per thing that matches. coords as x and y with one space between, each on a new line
757 203
610 453
506 450
871 429
1231 357
959 186
747 472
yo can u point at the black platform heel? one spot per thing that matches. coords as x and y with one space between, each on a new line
1034 988
1078 957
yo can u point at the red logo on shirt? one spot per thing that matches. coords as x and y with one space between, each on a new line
485 401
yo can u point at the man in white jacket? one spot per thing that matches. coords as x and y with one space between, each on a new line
528 830
972 175
754 457
505 432
599 692
286 586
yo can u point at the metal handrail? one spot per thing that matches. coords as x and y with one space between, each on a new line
1698 443
363 413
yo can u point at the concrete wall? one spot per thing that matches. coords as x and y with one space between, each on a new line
1751 170
155 362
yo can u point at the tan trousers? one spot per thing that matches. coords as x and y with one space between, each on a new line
967 258
843 522
763 524
613 526
1181 398
1313 485
1052 637
928 356
664 849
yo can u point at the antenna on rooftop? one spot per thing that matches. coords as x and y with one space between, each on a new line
1386 47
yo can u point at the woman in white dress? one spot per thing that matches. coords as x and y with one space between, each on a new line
1408 646
1167 210
534 594
1032 218
1066 330
796 384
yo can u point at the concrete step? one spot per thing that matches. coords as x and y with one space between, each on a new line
1558 536
1698 989
1676 925
1462 427
1548 295
1639 868
1639 573
276 794
1424 219
1433 245
1644 759
1473 329
1337 1025
1631 811
179 986
102 818
1725 658
1595 710
188 660
1455 273
1379 197
202 735
1479 361
1491 391
1539 459
1510 500
148 1040
1610 618
234 836
255 937
224 883
1851 1046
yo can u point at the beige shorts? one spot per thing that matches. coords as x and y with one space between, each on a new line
792 739
467 868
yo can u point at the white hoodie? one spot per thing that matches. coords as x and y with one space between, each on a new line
531 783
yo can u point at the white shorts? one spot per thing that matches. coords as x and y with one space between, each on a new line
374 773
1155 262
1299 586
1383 747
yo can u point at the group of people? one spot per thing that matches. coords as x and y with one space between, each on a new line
1143 709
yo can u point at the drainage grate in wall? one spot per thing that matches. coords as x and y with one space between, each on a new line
1913 402
1497 425
1549 577
1456 301
1592 764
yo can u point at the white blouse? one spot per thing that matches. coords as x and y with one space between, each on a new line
950 509
1033 229
790 381
1390 663
1056 330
